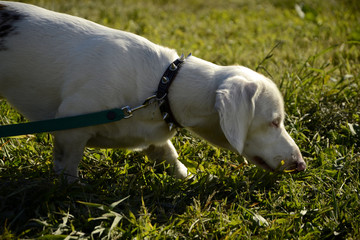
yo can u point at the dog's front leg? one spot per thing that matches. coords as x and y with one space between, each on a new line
68 151
168 153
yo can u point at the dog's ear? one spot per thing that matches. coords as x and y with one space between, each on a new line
235 103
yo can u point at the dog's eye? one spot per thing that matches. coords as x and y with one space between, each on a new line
275 123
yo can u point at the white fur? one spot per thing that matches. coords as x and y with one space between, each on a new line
54 65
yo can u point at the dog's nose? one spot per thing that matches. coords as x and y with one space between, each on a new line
299 161
300 166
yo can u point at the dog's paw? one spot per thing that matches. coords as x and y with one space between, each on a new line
180 171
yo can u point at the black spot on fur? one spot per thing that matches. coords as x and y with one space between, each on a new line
7 27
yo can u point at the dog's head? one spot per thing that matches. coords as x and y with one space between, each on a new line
251 112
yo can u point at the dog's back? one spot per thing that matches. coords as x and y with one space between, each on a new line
35 51
46 56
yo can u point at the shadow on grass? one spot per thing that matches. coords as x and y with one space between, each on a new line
48 205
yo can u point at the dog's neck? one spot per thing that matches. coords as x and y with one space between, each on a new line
194 93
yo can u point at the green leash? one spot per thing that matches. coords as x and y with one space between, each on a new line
85 120
58 124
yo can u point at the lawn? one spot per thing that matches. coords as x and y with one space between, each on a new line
311 49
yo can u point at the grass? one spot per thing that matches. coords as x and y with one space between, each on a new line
314 59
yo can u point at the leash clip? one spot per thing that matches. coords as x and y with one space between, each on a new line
128 111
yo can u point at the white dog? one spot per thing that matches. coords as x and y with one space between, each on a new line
54 65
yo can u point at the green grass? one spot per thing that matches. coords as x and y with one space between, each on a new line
314 60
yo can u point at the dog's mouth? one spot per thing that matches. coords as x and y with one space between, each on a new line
260 162
295 167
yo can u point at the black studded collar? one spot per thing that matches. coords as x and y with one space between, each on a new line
163 88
